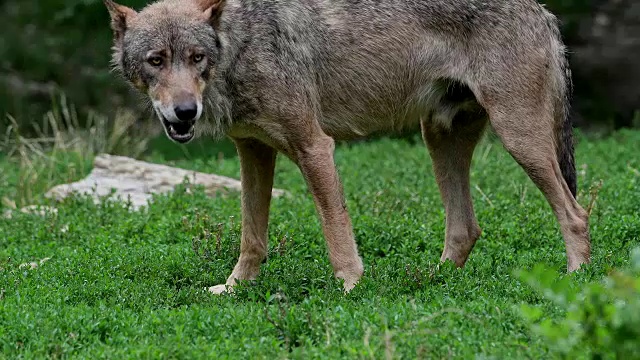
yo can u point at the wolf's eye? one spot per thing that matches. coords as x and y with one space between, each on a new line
197 58
155 61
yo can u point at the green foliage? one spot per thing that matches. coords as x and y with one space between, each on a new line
123 284
602 319
57 46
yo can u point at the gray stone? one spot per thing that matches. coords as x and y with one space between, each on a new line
136 180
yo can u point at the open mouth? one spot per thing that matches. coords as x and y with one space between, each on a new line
181 132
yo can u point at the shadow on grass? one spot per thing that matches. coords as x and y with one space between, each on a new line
202 148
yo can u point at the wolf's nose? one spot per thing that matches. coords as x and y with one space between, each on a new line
186 111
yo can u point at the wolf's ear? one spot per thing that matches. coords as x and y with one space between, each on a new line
211 10
121 16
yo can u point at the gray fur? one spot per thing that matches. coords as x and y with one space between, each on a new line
289 73
363 66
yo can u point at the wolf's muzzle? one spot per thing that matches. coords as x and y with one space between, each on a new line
179 120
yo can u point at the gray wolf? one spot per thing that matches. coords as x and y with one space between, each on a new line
293 76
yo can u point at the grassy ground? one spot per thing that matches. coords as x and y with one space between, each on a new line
121 284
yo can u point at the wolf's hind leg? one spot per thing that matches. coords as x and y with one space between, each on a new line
527 129
257 162
451 151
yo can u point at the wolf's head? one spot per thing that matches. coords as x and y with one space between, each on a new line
169 50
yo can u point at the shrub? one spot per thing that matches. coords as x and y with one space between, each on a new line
602 319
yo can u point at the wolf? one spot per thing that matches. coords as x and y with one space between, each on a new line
294 76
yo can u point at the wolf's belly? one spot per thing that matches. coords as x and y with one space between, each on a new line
358 114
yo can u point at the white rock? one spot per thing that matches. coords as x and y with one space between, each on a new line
138 180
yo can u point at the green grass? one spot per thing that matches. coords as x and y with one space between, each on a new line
130 285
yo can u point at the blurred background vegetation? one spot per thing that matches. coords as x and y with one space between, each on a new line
54 54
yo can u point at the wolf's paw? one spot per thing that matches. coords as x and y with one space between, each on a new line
351 276
220 289
349 285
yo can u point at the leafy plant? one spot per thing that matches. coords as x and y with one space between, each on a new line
124 284
602 319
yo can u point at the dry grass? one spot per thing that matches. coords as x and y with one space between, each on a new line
64 149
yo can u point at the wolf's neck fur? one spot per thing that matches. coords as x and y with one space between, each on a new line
223 109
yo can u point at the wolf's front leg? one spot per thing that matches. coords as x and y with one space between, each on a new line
257 162
315 160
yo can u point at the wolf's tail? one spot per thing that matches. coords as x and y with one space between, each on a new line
565 148
563 93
